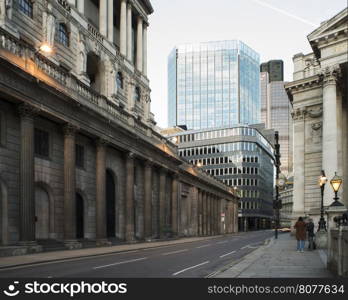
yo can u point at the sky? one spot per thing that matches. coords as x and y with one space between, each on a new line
276 29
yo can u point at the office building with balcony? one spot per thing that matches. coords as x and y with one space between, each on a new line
241 157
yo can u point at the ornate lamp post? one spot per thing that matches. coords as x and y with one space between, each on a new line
336 182
322 182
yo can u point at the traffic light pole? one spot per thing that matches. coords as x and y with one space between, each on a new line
277 202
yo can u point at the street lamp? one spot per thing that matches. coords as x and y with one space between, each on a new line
45 48
322 182
336 182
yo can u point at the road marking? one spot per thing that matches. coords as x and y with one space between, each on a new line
120 263
223 242
207 245
227 254
189 268
174 252
247 246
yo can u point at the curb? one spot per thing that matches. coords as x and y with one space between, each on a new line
101 254
237 267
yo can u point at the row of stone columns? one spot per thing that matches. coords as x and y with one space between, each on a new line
207 207
106 28
209 214
27 185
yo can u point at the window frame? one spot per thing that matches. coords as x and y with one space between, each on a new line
63 37
26 7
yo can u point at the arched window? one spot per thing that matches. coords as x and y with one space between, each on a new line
137 94
26 7
119 80
63 35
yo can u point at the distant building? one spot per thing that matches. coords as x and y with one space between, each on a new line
213 84
275 111
241 157
275 69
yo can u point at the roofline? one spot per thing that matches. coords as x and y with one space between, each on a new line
148 6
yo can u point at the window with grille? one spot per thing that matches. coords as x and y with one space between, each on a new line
80 156
63 35
26 7
41 142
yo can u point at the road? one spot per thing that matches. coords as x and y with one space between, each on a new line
194 259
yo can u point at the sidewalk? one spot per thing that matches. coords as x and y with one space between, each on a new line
42 257
279 259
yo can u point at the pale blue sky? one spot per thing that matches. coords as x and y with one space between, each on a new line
276 29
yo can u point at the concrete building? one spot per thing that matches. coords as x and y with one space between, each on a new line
213 84
241 157
80 159
319 100
275 112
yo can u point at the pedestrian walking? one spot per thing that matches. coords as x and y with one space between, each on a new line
311 234
300 227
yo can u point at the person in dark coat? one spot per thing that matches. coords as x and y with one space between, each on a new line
300 227
311 234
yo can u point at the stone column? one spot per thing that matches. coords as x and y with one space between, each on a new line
129 33
123 28
110 20
81 6
331 139
27 178
162 199
175 204
199 212
103 17
213 209
70 187
145 50
129 197
101 193
205 223
208 214
148 199
140 44
299 150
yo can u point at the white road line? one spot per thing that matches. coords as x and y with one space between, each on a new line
174 252
207 245
189 268
223 242
120 263
227 254
247 246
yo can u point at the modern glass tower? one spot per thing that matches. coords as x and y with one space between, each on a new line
213 84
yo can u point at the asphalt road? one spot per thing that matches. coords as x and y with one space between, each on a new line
194 259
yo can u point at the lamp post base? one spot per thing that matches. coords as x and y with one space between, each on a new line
321 239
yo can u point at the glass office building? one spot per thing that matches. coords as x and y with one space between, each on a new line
213 84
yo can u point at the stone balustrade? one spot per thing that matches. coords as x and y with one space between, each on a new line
73 86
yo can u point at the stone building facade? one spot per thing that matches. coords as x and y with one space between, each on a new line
80 159
319 101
